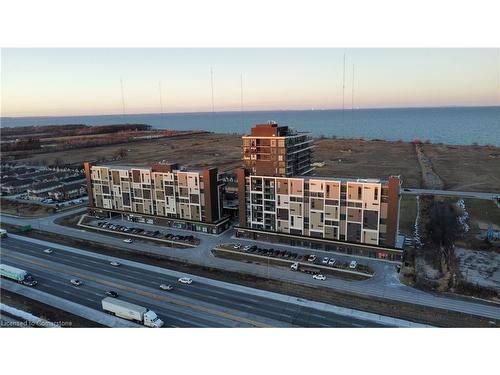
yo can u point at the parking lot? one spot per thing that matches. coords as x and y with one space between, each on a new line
309 258
153 234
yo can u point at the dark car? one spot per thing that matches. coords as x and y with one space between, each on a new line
112 293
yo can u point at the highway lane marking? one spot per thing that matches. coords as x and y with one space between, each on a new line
152 295
219 295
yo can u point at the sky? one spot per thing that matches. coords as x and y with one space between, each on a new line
64 81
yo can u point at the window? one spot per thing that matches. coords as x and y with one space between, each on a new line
375 195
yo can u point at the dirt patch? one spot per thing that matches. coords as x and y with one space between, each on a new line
369 159
480 267
24 209
466 168
47 312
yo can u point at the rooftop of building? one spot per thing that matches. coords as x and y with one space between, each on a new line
332 178
157 167
45 185
272 129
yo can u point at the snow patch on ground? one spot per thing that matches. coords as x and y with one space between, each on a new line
463 219
480 267
426 270
27 316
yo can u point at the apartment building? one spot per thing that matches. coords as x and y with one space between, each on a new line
164 194
325 213
272 150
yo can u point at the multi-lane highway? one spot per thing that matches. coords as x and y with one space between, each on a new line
197 305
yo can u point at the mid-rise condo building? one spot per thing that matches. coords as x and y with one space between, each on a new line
321 212
272 150
164 194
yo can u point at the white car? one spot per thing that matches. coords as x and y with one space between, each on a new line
114 263
166 287
48 251
128 240
319 277
185 280
331 262
325 260
237 246
353 264
311 258
75 282
247 247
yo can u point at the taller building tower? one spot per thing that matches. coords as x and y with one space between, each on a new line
278 151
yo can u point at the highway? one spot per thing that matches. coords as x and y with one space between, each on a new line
195 305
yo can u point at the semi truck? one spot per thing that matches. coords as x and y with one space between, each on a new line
17 274
3 233
130 311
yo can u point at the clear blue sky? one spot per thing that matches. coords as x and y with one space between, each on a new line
39 82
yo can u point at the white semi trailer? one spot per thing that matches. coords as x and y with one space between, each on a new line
17 274
130 311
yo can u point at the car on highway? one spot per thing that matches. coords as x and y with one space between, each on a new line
128 240
48 251
75 282
353 265
319 277
114 263
331 262
237 246
185 280
166 287
325 260
311 258
112 293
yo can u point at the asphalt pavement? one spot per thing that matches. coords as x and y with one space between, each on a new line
195 305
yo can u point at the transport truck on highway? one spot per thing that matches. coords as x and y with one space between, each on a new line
296 266
129 311
3 233
17 274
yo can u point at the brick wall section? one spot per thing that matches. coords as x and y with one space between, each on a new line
393 210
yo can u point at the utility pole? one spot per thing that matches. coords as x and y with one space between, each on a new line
241 98
343 94
123 98
161 101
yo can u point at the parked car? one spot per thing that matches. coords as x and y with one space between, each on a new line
319 277
353 264
246 248
75 282
48 251
167 287
311 258
325 260
185 280
331 262
114 263
237 246
128 240
112 293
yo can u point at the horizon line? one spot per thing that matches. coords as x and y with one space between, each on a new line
258 110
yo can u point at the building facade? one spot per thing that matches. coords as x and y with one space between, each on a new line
163 194
320 212
273 150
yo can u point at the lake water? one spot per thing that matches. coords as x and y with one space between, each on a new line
457 125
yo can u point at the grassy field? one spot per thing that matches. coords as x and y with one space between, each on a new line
408 213
370 159
473 168
24 209
466 168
